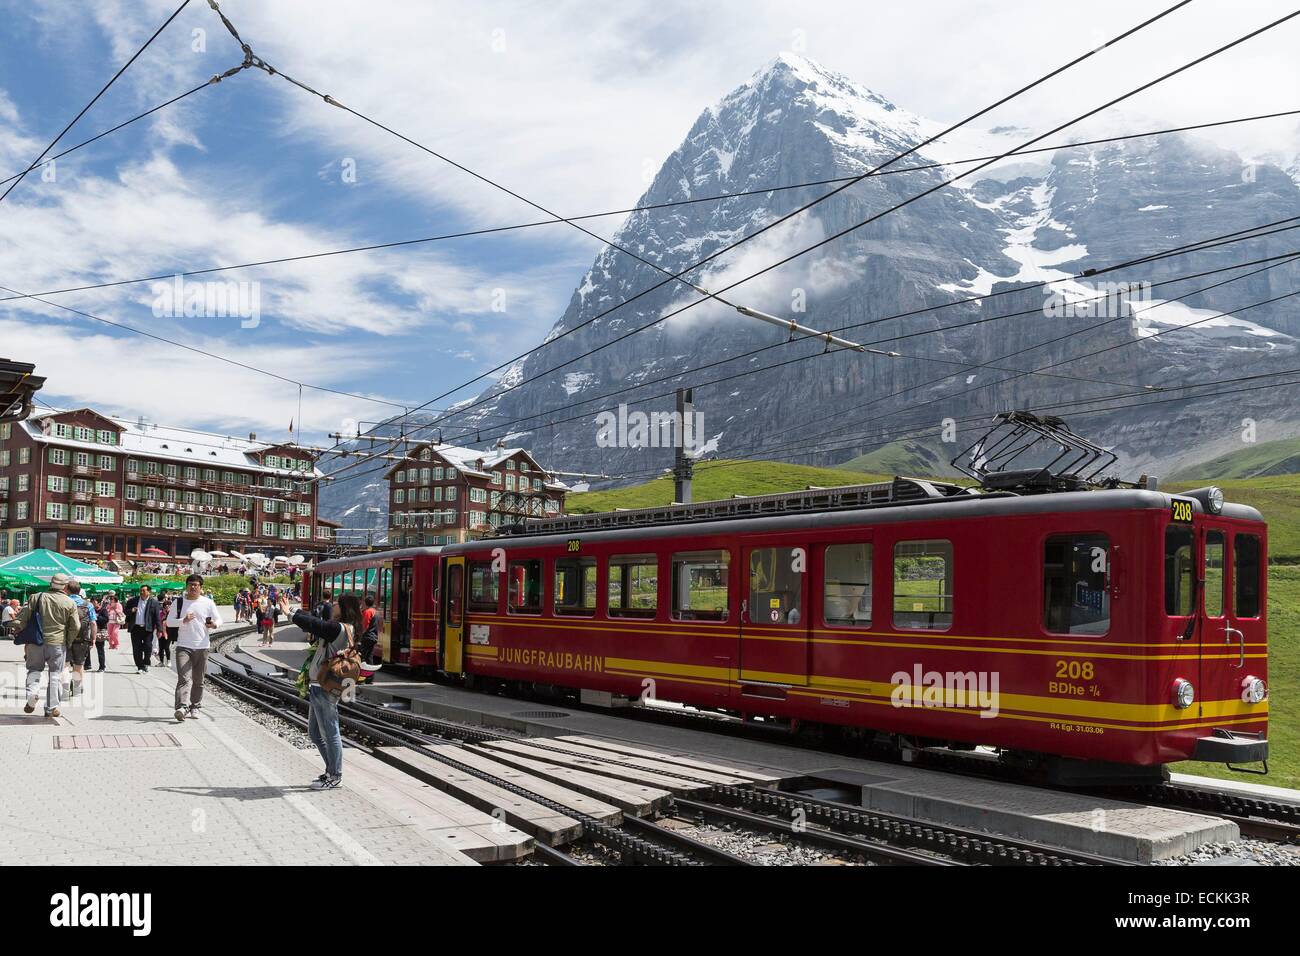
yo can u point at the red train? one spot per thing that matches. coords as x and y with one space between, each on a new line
1116 627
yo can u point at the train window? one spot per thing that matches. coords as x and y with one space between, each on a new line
923 585
1214 578
633 585
1246 569
846 594
387 587
525 594
1180 582
575 586
775 586
484 586
455 588
700 585
1076 575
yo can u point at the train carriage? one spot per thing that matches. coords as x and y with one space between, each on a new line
405 587
1121 626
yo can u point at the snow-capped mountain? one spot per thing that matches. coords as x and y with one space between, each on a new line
1057 215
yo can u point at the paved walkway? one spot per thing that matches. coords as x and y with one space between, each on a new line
116 780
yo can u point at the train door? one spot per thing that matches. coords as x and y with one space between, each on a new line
385 602
453 615
1233 633
404 589
774 619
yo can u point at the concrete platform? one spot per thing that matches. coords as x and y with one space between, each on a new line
443 820
1130 831
219 790
1126 831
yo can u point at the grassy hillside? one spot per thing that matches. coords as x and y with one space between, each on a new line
910 458
1252 461
720 479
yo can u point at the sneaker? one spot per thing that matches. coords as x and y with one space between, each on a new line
53 713
327 782
180 715
322 778
31 705
195 710
139 670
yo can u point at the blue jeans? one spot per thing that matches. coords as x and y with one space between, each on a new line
323 728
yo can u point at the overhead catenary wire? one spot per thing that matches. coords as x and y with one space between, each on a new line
901 432
811 440
545 413
674 277
104 89
1278 261
1275 261
1239 235
1073 408
204 352
515 227
840 234
808 205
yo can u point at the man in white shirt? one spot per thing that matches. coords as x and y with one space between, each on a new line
194 615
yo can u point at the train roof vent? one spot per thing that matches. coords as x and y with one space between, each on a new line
1046 454
898 491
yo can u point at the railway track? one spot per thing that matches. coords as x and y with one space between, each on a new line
877 837
1262 819
880 838
365 726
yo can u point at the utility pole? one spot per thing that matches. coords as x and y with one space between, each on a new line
683 465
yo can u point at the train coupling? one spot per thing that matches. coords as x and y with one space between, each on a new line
1233 747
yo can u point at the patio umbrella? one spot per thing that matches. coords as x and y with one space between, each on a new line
159 552
43 564
198 554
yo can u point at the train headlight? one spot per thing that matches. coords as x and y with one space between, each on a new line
1184 694
1253 690
1210 497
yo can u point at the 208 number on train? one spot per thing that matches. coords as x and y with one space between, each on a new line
1075 670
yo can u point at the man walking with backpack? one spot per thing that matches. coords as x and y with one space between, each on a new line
47 625
193 614
78 652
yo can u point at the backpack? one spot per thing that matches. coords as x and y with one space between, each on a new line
34 632
83 613
342 669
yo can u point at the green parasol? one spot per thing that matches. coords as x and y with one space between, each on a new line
41 565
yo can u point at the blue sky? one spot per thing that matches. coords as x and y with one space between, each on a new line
572 104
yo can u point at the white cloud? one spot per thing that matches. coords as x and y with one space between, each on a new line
137 376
